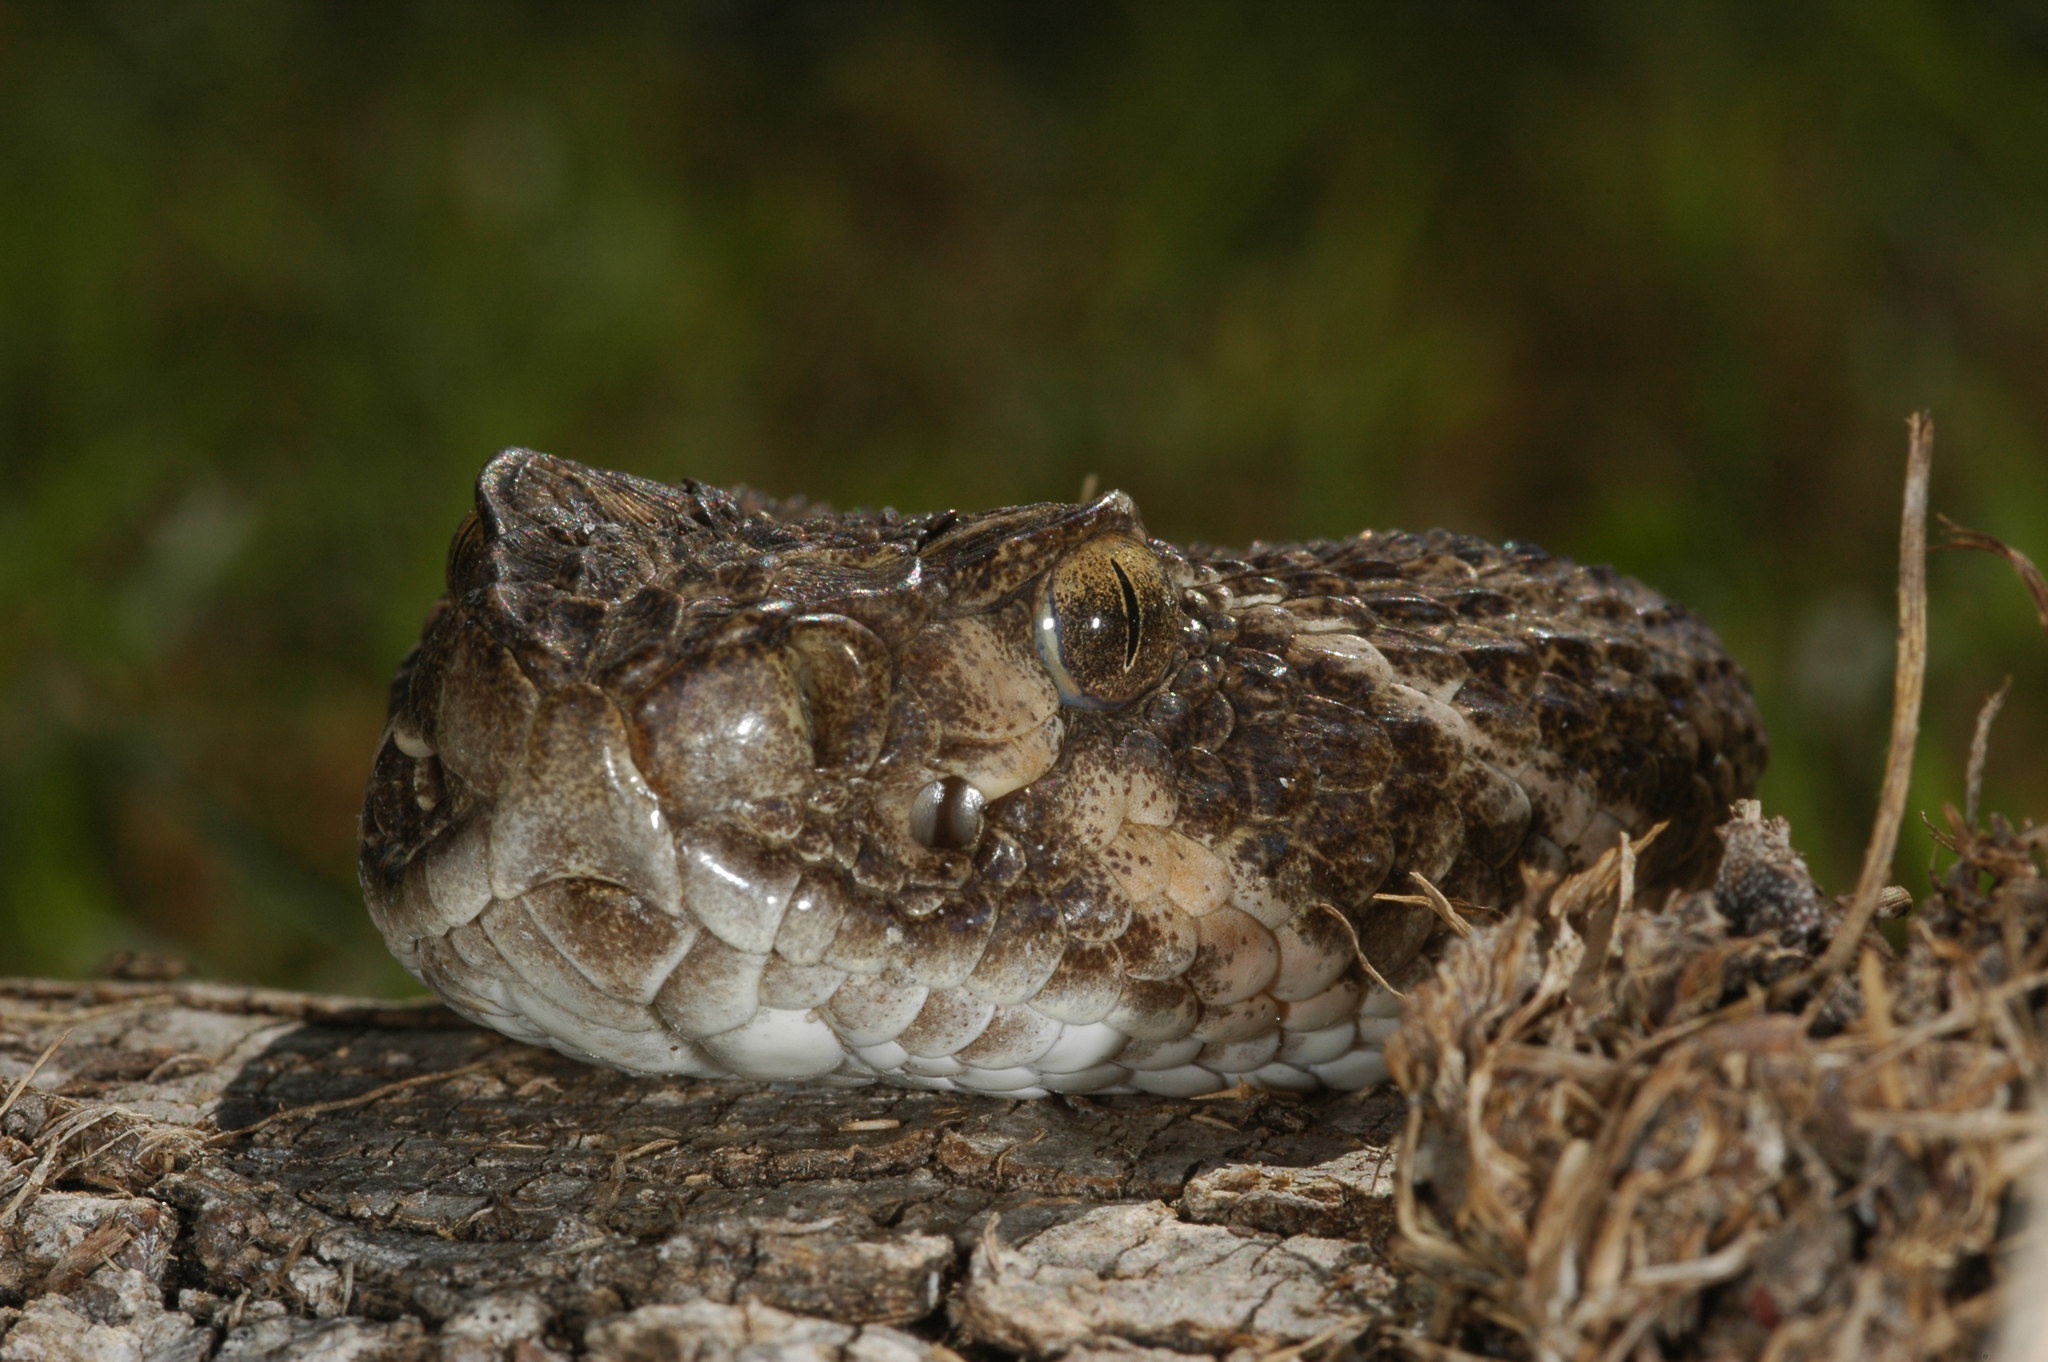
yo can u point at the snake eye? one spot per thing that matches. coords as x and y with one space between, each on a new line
946 815
1105 623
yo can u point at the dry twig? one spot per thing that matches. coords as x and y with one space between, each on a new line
1908 682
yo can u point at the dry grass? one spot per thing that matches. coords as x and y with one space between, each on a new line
1737 1123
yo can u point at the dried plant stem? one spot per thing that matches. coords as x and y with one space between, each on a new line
14 1093
1908 682
2030 576
1980 749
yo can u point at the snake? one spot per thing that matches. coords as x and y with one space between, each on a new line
704 784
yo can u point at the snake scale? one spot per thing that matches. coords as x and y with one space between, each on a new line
697 783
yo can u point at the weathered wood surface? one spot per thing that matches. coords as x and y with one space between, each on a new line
200 1171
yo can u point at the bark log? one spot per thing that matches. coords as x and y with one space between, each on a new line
204 1171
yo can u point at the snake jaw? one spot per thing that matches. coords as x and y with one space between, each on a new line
650 789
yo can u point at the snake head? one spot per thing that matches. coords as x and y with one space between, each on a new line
651 732
684 781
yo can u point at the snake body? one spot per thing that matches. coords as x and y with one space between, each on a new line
694 783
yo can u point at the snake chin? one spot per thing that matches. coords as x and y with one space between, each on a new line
689 782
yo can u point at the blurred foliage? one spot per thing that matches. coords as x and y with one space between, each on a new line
1651 285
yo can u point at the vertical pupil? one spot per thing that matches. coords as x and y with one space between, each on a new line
960 815
1130 593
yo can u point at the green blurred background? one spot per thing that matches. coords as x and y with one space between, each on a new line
1652 285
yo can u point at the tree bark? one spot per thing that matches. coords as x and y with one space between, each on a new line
200 1171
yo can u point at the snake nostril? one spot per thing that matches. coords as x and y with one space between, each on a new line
946 815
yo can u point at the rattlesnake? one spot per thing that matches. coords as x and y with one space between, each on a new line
695 783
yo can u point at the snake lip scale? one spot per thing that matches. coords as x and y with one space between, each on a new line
697 783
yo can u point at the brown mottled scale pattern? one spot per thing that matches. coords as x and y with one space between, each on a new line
645 795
